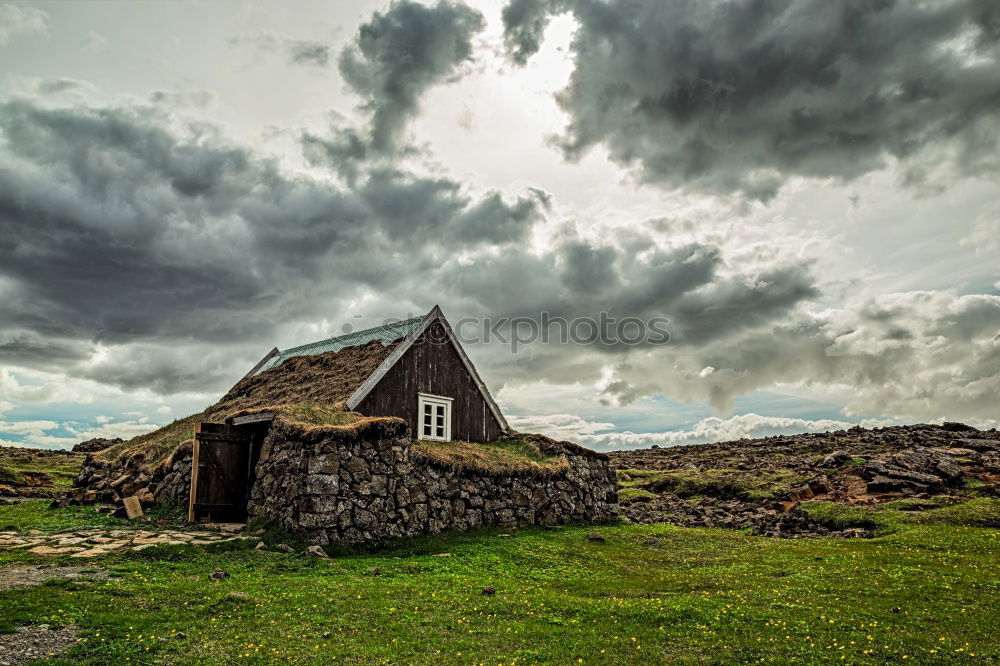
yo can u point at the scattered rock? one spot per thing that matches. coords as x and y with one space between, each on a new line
596 538
653 541
899 462
260 546
326 635
374 570
837 458
443 555
218 574
489 591
180 635
316 551
284 548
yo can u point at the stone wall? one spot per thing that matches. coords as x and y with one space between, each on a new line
364 483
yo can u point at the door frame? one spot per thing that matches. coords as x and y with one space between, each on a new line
250 431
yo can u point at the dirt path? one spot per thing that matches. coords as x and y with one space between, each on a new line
36 574
37 642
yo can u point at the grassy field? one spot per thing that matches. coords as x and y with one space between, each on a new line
923 591
57 469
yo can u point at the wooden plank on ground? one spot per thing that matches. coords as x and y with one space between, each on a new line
133 508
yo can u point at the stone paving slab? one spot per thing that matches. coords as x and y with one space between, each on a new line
92 543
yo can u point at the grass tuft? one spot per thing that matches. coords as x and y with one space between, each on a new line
516 455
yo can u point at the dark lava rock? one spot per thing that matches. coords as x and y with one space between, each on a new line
97 444
952 426
915 461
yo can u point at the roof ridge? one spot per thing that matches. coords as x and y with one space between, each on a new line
380 333
352 334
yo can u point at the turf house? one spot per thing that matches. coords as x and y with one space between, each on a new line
380 433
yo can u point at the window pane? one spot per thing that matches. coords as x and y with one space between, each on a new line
427 408
440 421
440 431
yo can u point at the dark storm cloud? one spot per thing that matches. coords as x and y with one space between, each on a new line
524 24
118 228
685 284
314 54
742 95
167 244
400 54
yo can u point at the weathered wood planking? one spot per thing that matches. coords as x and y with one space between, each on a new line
431 365
220 472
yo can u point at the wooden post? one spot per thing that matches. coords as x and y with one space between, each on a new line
194 473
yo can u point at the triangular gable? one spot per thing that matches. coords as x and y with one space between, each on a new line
434 315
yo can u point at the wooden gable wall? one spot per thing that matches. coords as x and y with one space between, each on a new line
433 366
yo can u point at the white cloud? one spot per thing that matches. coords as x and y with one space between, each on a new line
712 429
21 20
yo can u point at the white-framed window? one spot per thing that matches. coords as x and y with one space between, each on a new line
434 417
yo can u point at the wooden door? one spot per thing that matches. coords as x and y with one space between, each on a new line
220 473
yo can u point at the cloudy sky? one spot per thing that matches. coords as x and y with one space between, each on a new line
807 191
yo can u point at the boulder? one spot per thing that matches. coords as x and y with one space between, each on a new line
837 458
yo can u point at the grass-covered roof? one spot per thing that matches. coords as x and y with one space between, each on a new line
307 389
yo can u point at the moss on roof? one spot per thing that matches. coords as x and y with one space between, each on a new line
517 455
310 390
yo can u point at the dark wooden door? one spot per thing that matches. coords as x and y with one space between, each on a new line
220 473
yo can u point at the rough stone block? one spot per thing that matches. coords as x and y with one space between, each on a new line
322 484
324 464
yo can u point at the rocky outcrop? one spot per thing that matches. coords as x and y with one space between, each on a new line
855 466
103 481
95 445
349 485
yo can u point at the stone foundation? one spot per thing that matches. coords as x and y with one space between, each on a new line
364 483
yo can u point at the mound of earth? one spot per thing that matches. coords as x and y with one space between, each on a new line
760 483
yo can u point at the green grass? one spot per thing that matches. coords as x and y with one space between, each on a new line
635 495
35 515
925 591
892 516
319 414
763 484
503 456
